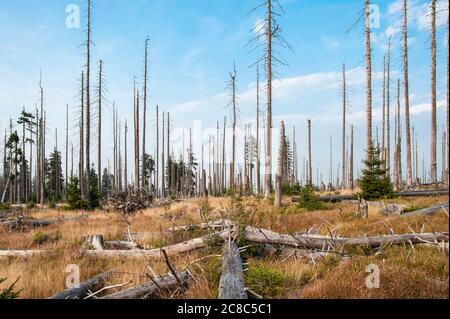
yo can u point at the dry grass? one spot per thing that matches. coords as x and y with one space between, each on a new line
405 273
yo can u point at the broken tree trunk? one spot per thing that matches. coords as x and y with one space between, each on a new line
306 241
152 289
39 222
95 241
232 285
85 288
429 211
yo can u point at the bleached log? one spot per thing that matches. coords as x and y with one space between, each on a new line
12 224
232 285
429 211
150 290
219 224
22 253
305 241
121 245
85 288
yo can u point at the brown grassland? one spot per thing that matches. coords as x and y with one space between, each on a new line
406 271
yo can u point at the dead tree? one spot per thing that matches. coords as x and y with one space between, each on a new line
232 285
281 173
344 106
85 288
163 177
351 178
99 126
383 127
67 153
125 175
144 120
369 140
258 161
136 141
447 179
406 92
309 179
88 100
157 153
388 110
81 155
433 159
233 142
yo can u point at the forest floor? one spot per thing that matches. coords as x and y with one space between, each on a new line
405 271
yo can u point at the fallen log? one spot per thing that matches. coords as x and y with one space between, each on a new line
157 253
219 224
22 253
18 222
306 241
145 236
85 288
425 193
429 211
152 289
121 245
232 285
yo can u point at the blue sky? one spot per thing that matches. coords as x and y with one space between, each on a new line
193 45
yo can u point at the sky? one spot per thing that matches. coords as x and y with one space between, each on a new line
192 49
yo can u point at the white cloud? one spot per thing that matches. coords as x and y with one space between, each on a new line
186 107
330 42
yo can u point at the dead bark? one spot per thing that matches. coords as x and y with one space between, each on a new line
369 140
433 159
306 241
232 285
85 288
153 289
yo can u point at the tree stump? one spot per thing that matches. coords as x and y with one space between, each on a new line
95 241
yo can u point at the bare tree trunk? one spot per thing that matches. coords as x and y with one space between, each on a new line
163 184
144 123
258 160
268 155
344 105
406 92
157 153
447 178
99 127
281 160
88 101
330 170
433 160
369 140
136 142
168 149
399 140
233 145
388 111
125 175
223 153
383 127
81 157
309 180
351 178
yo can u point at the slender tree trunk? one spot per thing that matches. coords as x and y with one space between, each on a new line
81 157
157 152
433 160
136 143
383 127
268 155
406 92
399 140
388 111
351 178
233 145
168 150
369 140
163 184
447 178
310 180
99 127
144 123
223 153
88 102
126 158
258 160
344 105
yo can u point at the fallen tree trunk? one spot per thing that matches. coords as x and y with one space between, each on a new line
85 288
219 224
22 253
121 245
305 241
231 285
12 224
429 211
152 289
426 193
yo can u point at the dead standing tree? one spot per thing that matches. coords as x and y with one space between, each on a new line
268 33
433 160
233 142
344 106
88 100
144 120
406 93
